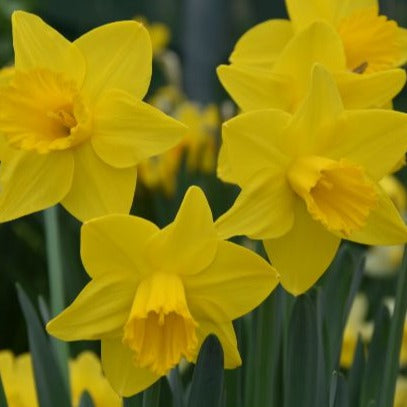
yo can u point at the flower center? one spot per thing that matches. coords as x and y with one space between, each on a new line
42 110
371 41
337 193
160 329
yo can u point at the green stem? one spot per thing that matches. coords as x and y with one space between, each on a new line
391 369
56 280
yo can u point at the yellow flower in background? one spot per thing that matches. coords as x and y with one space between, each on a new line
85 375
198 147
18 380
310 179
73 121
355 326
383 261
285 83
371 42
160 34
156 294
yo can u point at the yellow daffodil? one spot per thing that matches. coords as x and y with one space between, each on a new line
355 327
18 380
311 178
73 120
285 83
156 294
85 375
160 34
371 42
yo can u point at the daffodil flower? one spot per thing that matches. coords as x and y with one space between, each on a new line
85 374
311 178
284 84
156 294
72 120
371 42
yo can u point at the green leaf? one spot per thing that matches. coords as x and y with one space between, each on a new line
151 396
3 400
341 284
134 401
372 381
391 367
339 392
207 380
356 374
301 357
177 391
51 389
86 400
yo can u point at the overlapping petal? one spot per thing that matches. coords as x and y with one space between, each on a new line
384 226
369 90
263 209
262 44
254 89
236 282
375 139
119 56
118 365
128 131
99 311
37 45
188 244
97 188
24 191
116 243
303 254
254 141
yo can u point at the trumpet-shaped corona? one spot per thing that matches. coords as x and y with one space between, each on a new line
160 329
371 41
336 193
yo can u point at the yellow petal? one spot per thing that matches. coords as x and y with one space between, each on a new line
302 13
118 55
223 171
375 139
319 43
303 254
128 131
124 376
237 281
312 127
254 89
99 311
263 210
116 242
190 242
98 189
384 226
369 90
227 337
403 45
37 45
262 44
30 182
253 142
